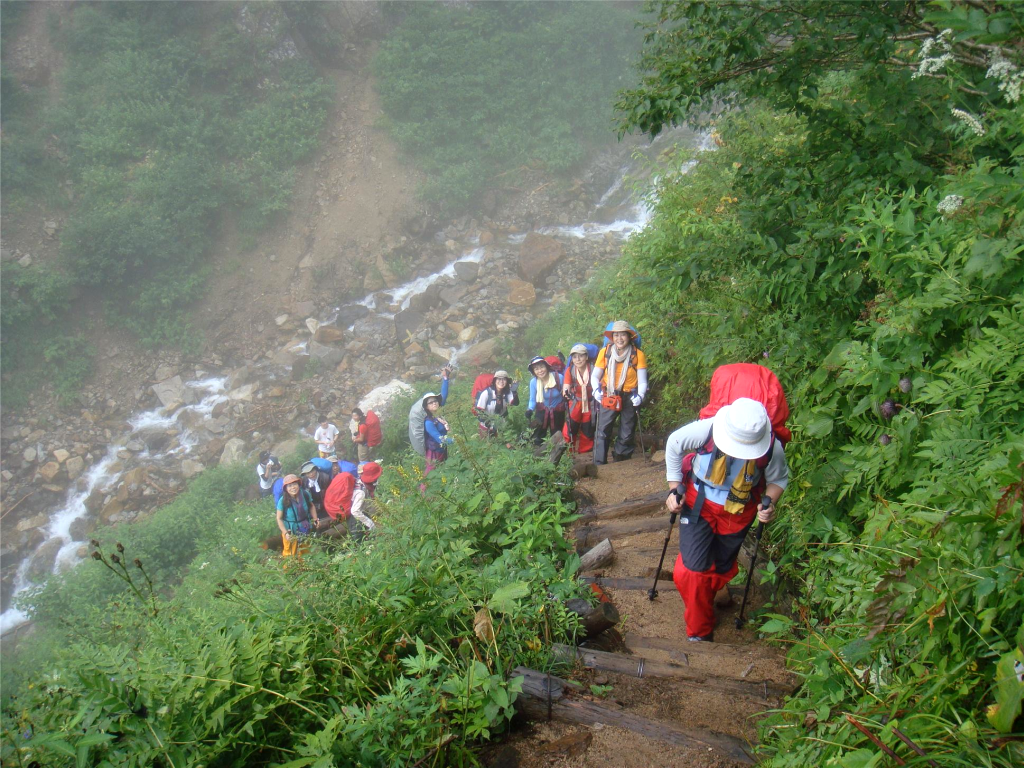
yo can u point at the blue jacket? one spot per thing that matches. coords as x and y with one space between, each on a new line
436 434
552 396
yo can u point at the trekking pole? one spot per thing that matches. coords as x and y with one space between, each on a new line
640 434
653 591
765 503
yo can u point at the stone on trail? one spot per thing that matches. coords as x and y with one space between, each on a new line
538 255
280 320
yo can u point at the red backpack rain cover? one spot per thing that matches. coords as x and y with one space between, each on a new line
482 382
730 382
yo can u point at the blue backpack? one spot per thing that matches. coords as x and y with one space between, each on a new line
322 464
278 489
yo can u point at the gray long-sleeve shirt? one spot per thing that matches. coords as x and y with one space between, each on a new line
694 435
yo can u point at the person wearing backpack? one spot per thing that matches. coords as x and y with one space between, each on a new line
494 401
718 470
316 481
579 396
546 407
424 411
296 517
268 470
360 433
619 382
374 435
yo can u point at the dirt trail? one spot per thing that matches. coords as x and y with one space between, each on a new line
736 655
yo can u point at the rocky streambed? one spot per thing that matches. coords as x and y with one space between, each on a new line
449 295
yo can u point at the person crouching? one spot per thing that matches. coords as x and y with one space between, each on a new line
359 521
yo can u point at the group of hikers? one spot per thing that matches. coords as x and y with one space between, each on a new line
724 470
328 496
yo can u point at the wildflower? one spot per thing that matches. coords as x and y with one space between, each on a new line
972 123
931 65
949 205
203 566
1008 76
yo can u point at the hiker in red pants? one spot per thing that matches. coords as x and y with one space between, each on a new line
719 469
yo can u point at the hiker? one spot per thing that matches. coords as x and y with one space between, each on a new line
267 470
546 408
325 436
338 503
619 380
738 460
374 435
578 392
296 517
359 521
494 401
316 481
433 447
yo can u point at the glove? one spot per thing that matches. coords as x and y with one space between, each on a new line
598 394
636 400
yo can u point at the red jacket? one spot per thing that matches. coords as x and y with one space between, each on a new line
338 499
373 433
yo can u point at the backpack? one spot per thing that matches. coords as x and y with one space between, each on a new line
417 433
482 382
728 384
556 363
322 464
348 466
374 436
278 489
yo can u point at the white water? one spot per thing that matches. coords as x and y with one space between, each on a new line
100 476
403 294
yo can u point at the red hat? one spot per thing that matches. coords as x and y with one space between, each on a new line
370 472
289 479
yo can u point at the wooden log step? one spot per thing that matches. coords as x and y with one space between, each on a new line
598 557
637 642
630 508
547 697
664 586
638 666
588 536
594 619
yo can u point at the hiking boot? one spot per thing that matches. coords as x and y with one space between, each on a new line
620 457
701 638
723 599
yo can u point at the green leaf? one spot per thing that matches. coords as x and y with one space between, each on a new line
1009 691
503 599
820 426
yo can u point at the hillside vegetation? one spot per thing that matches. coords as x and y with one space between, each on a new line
475 93
166 116
859 230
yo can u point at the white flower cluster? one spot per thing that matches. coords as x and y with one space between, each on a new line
972 123
931 64
949 205
1008 76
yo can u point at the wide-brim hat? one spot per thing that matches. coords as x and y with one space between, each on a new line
289 479
620 326
579 349
501 374
742 430
370 472
423 400
308 467
333 459
536 360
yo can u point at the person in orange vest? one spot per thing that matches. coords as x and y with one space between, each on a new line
619 381
736 463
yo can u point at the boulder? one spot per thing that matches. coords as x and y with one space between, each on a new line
75 467
61 455
468 334
538 255
407 322
329 356
191 468
49 471
82 528
304 308
453 295
426 299
313 325
280 320
157 440
36 521
467 271
521 293
244 393
445 353
111 509
329 334
43 560
349 314
135 446
378 333
30 455
486 237
173 391
480 354
285 447
234 452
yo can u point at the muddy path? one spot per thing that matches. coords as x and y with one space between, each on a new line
715 692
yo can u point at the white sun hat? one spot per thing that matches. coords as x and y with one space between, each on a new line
742 430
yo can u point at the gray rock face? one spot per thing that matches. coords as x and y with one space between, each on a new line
234 452
538 255
285 447
348 315
480 354
377 332
173 391
408 321
425 300
191 468
329 356
451 296
43 560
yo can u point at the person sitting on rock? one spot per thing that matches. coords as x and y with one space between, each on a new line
325 436
296 517
619 381
359 521
737 461
546 407
578 392
494 401
268 470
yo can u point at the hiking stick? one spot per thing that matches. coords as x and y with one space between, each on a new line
765 503
640 434
653 591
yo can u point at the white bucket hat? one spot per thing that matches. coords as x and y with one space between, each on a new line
501 374
742 430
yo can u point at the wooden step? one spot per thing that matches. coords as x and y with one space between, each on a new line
664 585
630 508
546 697
638 666
588 536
